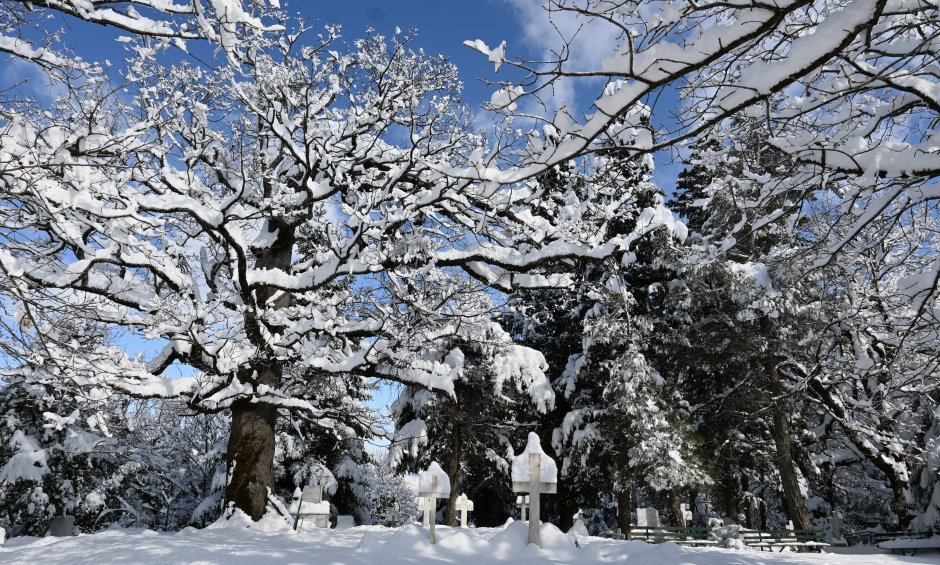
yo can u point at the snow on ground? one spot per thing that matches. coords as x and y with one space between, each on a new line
235 543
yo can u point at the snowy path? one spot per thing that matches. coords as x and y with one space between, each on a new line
238 545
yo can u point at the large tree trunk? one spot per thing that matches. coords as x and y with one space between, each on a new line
250 455
729 490
453 470
792 496
623 510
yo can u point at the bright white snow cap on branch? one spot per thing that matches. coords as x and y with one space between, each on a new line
548 470
426 486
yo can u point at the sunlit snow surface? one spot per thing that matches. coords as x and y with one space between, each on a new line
272 542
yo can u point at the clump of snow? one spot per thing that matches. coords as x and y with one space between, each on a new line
548 469
426 486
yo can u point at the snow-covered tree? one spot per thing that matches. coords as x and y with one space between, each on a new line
180 213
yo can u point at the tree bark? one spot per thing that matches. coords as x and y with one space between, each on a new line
792 496
453 470
250 455
623 510
729 489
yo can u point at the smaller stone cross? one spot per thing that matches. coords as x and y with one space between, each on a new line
535 473
686 514
790 525
522 501
463 505
432 484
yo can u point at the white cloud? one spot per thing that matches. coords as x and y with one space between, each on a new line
590 42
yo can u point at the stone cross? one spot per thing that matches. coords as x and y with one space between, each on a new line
522 501
463 505
541 478
790 525
432 485
686 514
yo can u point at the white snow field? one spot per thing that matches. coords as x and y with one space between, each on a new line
239 542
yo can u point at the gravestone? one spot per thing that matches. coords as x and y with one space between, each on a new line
62 526
3 536
427 506
522 501
647 517
578 527
534 473
463 505
835 529
310 506
790 525
686 515
619 535
432 485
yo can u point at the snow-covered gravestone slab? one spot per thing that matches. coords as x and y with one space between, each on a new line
427 506
535 473
522 501
432 484
309 505
464 506
835 531
578 527
62 526
686 514
647 517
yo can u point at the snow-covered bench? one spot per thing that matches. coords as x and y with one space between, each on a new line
660 534
799 540
912 545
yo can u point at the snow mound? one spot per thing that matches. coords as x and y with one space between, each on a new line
270 523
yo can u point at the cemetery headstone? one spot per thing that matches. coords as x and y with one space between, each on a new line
522 501
619 535
535 473
835 529
464 506
427 506
686 515
309 506
579 528
432 485
647 517
62 526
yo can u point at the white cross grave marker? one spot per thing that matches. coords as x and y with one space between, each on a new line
522 501
463 505
686 514
535 473
432 484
